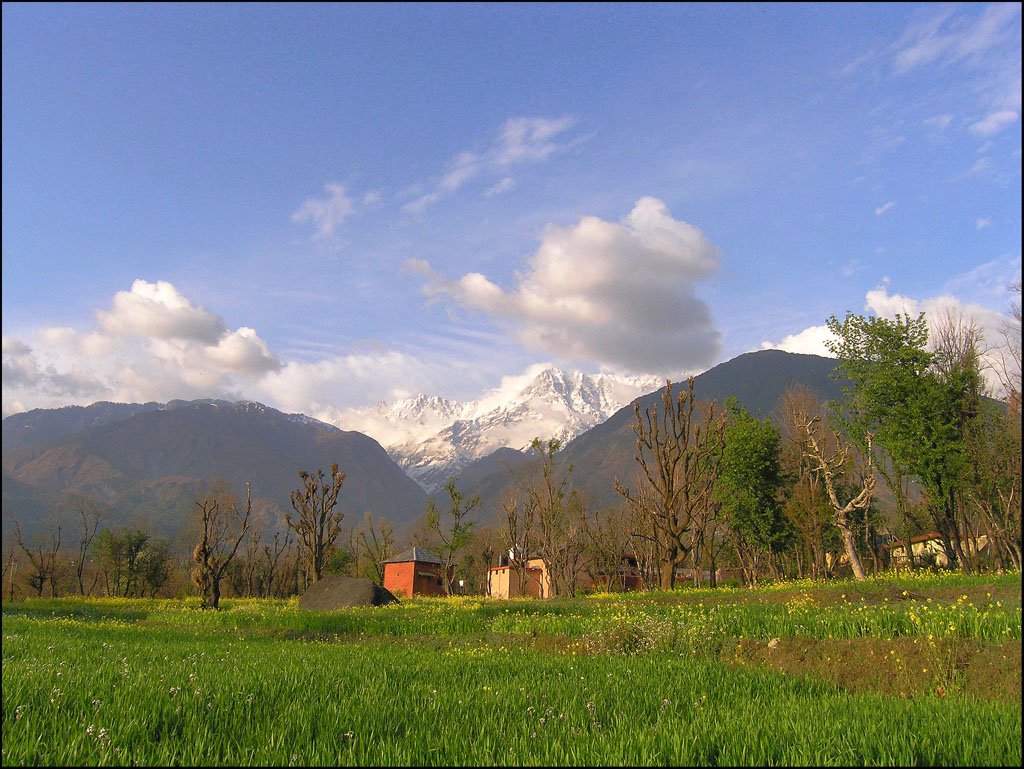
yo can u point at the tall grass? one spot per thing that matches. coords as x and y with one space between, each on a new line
462 683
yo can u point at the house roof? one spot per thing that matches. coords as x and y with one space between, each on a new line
416 555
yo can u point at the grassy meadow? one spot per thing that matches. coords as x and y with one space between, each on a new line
902 669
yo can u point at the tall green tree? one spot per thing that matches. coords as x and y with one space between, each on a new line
749 487
917 403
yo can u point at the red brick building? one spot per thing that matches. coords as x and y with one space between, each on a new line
417 571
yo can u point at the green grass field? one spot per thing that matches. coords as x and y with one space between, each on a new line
913 669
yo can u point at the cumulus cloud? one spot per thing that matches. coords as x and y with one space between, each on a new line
622 294
810 341
152 343
520 140
327 214
159 311
19 366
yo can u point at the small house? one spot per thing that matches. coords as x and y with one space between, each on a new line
417 571
928 549
503 579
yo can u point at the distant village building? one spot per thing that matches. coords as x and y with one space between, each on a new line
928 549
503 579
417 571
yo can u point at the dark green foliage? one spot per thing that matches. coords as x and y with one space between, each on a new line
750 484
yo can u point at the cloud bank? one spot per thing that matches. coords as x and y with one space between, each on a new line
619 294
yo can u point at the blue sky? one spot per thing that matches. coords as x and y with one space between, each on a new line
320 207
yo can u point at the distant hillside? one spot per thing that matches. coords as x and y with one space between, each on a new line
148 466
39 425
756 379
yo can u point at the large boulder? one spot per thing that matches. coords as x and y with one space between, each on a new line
336 592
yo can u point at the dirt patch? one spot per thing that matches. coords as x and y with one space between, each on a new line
337 592
902 667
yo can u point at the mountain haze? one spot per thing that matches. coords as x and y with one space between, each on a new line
150 464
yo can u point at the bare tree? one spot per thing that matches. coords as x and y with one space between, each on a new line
44 558
218 514
11 568
318 525
377 544
271 558
454 537
251 554
829 464
606 543
90 512
518 533
557 516
679 459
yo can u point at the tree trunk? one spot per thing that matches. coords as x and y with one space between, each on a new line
851 550
667 575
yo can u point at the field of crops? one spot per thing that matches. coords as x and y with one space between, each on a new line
913 669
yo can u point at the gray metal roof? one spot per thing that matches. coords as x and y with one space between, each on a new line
417 555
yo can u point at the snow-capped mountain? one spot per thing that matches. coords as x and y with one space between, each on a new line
433 438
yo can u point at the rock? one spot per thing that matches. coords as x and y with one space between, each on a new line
336 592
773 643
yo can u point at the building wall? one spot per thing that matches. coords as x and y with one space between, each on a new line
413 578
504 582
399 578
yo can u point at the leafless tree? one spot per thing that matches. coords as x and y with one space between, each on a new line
90 512
271 559
455 535
830 464
11 569
318 525
219 518
679 459
518 534
377 544
558 513
606 544
44 558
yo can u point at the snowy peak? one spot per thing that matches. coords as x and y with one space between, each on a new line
433 438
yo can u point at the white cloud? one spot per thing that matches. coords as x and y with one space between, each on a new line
994 122
935 40
19 366
151 344
810 341
983 222
157 310
619 294
521 140
529 139
462 169
501 187
326 214
887 207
